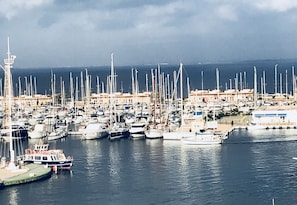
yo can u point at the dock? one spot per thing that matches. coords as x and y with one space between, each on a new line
227 124
28 173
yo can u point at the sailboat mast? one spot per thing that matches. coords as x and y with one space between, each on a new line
255 86
181 92
275 78
111 87
111 75
71 89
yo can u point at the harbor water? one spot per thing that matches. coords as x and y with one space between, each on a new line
251 167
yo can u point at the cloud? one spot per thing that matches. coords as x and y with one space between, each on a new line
79 32
276 5
227 12
11 8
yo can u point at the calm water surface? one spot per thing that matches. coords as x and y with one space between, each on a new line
250 168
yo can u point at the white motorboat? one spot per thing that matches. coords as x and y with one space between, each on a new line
41 154
137 130
94 131
38 132
203 138
154 133
118 131
58 133
177 135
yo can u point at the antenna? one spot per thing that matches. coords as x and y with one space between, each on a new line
10 58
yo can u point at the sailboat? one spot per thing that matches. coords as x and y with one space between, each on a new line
117 129
181 131
153 130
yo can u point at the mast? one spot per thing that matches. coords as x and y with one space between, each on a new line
8 91
76 88
240 80
87 94
286 84
244 80
293 81
35 86
111 91
132 80
255 86
188 86
20 86
281 83
31 86
264 83
111 75
202 81
146 82
25 89
98 84
275 78
82 86
218 79
71 89
218 82
181 92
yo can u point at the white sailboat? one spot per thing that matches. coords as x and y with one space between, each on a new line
154 131
117 129
179 132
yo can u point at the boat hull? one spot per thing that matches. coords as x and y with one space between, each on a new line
153 134
203 139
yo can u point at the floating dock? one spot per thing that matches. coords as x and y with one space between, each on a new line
28 173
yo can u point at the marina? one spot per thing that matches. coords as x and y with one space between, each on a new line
148 102
144 135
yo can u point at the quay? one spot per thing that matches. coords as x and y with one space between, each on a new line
228 124
28 173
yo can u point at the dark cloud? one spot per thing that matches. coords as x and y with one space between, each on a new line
72 32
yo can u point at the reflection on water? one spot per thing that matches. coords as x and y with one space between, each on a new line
93 155
13 196
114 164
194 169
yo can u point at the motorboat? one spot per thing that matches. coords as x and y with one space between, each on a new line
137 130
41 154
118 131
94 130
57 133
154 132
204 138
38 132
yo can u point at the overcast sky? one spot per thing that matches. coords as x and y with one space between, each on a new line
53 33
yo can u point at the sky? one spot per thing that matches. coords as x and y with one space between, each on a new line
55 33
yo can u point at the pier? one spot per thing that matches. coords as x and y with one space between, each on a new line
27 173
